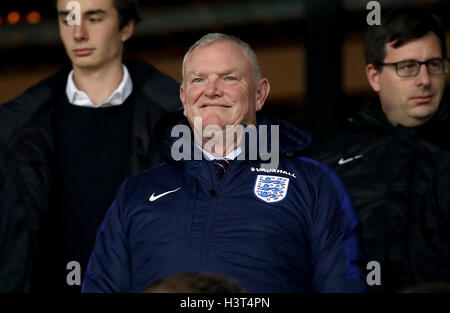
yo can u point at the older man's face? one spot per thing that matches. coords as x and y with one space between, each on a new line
219 86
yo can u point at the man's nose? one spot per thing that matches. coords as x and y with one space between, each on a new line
80 32
213 88
423 78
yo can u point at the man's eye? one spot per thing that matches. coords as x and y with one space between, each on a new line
197 80
407 65
435 64
230 78
94 20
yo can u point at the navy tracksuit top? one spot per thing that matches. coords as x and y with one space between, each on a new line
289 230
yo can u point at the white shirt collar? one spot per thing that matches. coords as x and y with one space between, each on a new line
118 97
230 156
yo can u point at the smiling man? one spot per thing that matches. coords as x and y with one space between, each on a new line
222 89
68 143
291 229
219 93
394 157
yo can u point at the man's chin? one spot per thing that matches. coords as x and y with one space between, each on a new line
213 122
85 63
424 111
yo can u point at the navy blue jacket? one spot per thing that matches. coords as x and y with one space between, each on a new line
288 231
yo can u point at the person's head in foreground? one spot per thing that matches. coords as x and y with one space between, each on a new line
195 283
430 287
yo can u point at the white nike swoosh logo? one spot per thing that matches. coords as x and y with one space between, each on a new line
153 197
342 161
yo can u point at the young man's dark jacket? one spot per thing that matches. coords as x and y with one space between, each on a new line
27 162
399 181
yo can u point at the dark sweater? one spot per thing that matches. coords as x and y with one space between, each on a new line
93 151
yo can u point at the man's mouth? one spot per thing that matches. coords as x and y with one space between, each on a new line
422 99
83 52
215 105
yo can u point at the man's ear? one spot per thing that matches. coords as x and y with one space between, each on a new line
183 98
262 91
373 76
127 30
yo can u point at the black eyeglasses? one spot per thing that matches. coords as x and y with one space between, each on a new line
411 68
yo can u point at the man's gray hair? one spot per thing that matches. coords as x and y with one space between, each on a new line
211 38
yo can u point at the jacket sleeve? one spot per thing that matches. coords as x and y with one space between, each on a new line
16 240
336 257
109 267
435 218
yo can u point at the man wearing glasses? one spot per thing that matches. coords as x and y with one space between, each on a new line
394 156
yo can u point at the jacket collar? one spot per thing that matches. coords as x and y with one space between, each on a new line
370 117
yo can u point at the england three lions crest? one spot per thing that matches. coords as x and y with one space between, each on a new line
271 188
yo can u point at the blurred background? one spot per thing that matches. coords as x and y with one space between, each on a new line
311 50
